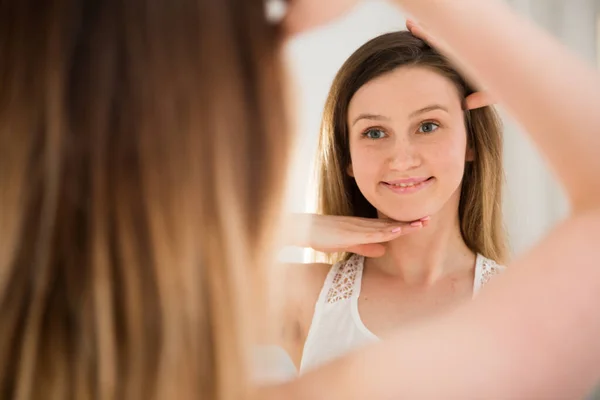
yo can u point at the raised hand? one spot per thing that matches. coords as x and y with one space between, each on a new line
475 100
364 236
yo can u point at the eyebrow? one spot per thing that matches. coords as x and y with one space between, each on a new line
427 109
376 117
373 117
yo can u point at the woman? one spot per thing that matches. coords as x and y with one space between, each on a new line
400 143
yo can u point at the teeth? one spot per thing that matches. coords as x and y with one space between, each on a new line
404 184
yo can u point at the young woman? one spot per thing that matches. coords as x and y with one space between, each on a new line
399 142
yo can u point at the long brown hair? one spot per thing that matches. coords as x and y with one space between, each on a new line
480 209
141 151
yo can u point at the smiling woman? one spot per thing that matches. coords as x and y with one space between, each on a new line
397 115
399 142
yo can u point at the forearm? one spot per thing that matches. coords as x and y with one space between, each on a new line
551 93
297 230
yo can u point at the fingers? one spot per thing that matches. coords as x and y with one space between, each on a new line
341 233
478 100
373 247
375 224
385 235
417 30
414 28
359 235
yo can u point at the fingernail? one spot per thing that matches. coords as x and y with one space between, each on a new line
416 223
396 230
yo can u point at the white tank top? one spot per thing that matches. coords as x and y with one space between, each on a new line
336 326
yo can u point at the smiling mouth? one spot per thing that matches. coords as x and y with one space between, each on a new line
409 186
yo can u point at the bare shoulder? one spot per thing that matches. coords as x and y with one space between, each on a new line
301 286
306 277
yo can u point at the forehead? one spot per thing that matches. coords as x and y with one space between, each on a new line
403 91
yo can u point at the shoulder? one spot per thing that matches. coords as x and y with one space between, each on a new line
310 272
298 288
303 283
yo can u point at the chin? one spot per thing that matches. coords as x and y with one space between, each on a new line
406 215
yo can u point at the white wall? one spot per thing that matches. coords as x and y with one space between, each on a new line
534 201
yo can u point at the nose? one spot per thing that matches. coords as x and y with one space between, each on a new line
403 156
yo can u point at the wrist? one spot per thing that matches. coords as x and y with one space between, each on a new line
298 228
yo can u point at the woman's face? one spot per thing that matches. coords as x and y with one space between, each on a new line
408 143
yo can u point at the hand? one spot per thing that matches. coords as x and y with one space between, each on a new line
419 31
364 236
475 100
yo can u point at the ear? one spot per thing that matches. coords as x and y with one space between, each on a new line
349 170
478 100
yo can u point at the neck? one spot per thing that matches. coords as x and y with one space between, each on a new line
424 257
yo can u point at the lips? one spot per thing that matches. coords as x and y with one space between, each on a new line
410 182
407 186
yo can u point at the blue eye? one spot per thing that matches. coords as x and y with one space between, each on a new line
428 127
374 134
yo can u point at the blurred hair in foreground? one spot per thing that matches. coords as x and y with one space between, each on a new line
142 151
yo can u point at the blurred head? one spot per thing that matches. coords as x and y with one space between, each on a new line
397 142
141 158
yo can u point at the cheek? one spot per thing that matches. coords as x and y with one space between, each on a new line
448 156
366 163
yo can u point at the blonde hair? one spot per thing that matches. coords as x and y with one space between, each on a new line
480 209
142 147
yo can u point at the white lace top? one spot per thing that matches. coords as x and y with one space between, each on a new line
336 326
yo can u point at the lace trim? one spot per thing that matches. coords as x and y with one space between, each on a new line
489 270
342 286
